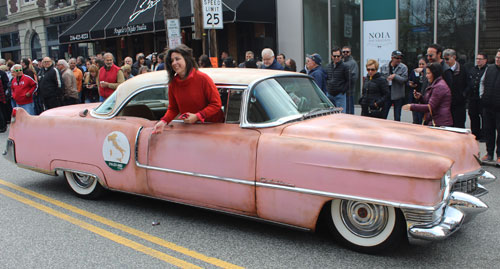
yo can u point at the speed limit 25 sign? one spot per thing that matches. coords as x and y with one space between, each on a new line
212 14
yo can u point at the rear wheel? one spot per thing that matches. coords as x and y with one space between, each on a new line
364 226
84 186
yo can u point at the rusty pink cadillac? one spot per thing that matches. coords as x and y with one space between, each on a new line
284 155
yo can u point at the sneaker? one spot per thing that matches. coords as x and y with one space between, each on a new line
487 158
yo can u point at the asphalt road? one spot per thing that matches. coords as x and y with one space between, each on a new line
43 225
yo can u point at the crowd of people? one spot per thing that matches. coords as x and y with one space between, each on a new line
442 88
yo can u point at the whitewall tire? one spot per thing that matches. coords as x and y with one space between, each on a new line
83 185
364 226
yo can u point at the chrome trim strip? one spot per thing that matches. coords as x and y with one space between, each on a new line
347 197
452 129
226 179
10 151
120 106
101 181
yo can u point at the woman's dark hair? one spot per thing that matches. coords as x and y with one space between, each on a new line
205 61
251 63
26 62
292 67
436 69
228 62
187 54
141 57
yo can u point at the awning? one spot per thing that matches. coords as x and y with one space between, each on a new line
114 18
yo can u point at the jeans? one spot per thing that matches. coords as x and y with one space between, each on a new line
101 99
398 104
30 108
338 100
350 104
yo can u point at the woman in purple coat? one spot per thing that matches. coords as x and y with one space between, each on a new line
436 101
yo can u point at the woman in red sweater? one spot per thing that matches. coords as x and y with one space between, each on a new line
191 93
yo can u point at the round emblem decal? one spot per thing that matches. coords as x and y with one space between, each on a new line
116 150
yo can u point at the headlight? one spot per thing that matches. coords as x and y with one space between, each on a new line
445 184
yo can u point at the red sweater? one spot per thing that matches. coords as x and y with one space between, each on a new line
21 86
196 94
109 76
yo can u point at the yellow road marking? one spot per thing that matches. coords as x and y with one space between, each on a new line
124 228
109 235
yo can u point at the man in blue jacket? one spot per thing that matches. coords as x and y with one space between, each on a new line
269 61
313 64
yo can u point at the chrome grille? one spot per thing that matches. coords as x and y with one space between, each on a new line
418 216
465 185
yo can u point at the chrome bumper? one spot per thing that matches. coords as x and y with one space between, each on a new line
10 151
461 207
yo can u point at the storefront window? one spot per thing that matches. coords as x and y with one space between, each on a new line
416 26
52 33
345 29
316 29
6 41
489 28
457 27
36 48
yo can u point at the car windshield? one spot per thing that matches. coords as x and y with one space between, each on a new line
107 105
276 98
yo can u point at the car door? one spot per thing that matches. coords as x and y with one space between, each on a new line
206 164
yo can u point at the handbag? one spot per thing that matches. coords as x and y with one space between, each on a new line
432 118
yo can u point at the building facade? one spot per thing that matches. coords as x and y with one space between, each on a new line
316 26
30 28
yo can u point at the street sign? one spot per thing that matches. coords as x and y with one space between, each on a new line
212 14
173 28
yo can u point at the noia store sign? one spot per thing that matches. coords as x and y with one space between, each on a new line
379 31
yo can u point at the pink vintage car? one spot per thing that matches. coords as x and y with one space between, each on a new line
284 155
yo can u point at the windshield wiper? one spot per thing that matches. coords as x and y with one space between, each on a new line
319 111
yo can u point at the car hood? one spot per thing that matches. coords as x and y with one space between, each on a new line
358 130
71 110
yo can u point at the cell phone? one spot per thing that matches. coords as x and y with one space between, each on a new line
184 116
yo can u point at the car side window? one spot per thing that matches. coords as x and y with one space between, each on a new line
150 104
233 106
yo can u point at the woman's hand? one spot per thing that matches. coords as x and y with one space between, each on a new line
407 107
158 129
416 94
189 118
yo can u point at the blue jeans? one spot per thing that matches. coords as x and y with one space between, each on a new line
338 100
30 108
101 99
398 104
350 104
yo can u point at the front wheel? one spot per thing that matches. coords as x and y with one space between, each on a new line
84 186
365 227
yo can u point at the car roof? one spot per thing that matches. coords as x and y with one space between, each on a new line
220 76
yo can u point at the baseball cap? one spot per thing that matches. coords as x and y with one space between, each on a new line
315 57
397 53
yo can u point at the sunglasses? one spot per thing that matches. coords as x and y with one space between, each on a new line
430 55
446 58
346 52
480 59
18 70
336 56
371 69
398 58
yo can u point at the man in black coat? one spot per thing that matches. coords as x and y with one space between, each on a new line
50 85
473 98
434 53
490 99
458 88
338 79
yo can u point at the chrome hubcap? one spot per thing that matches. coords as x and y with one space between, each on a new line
363 219
83 181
